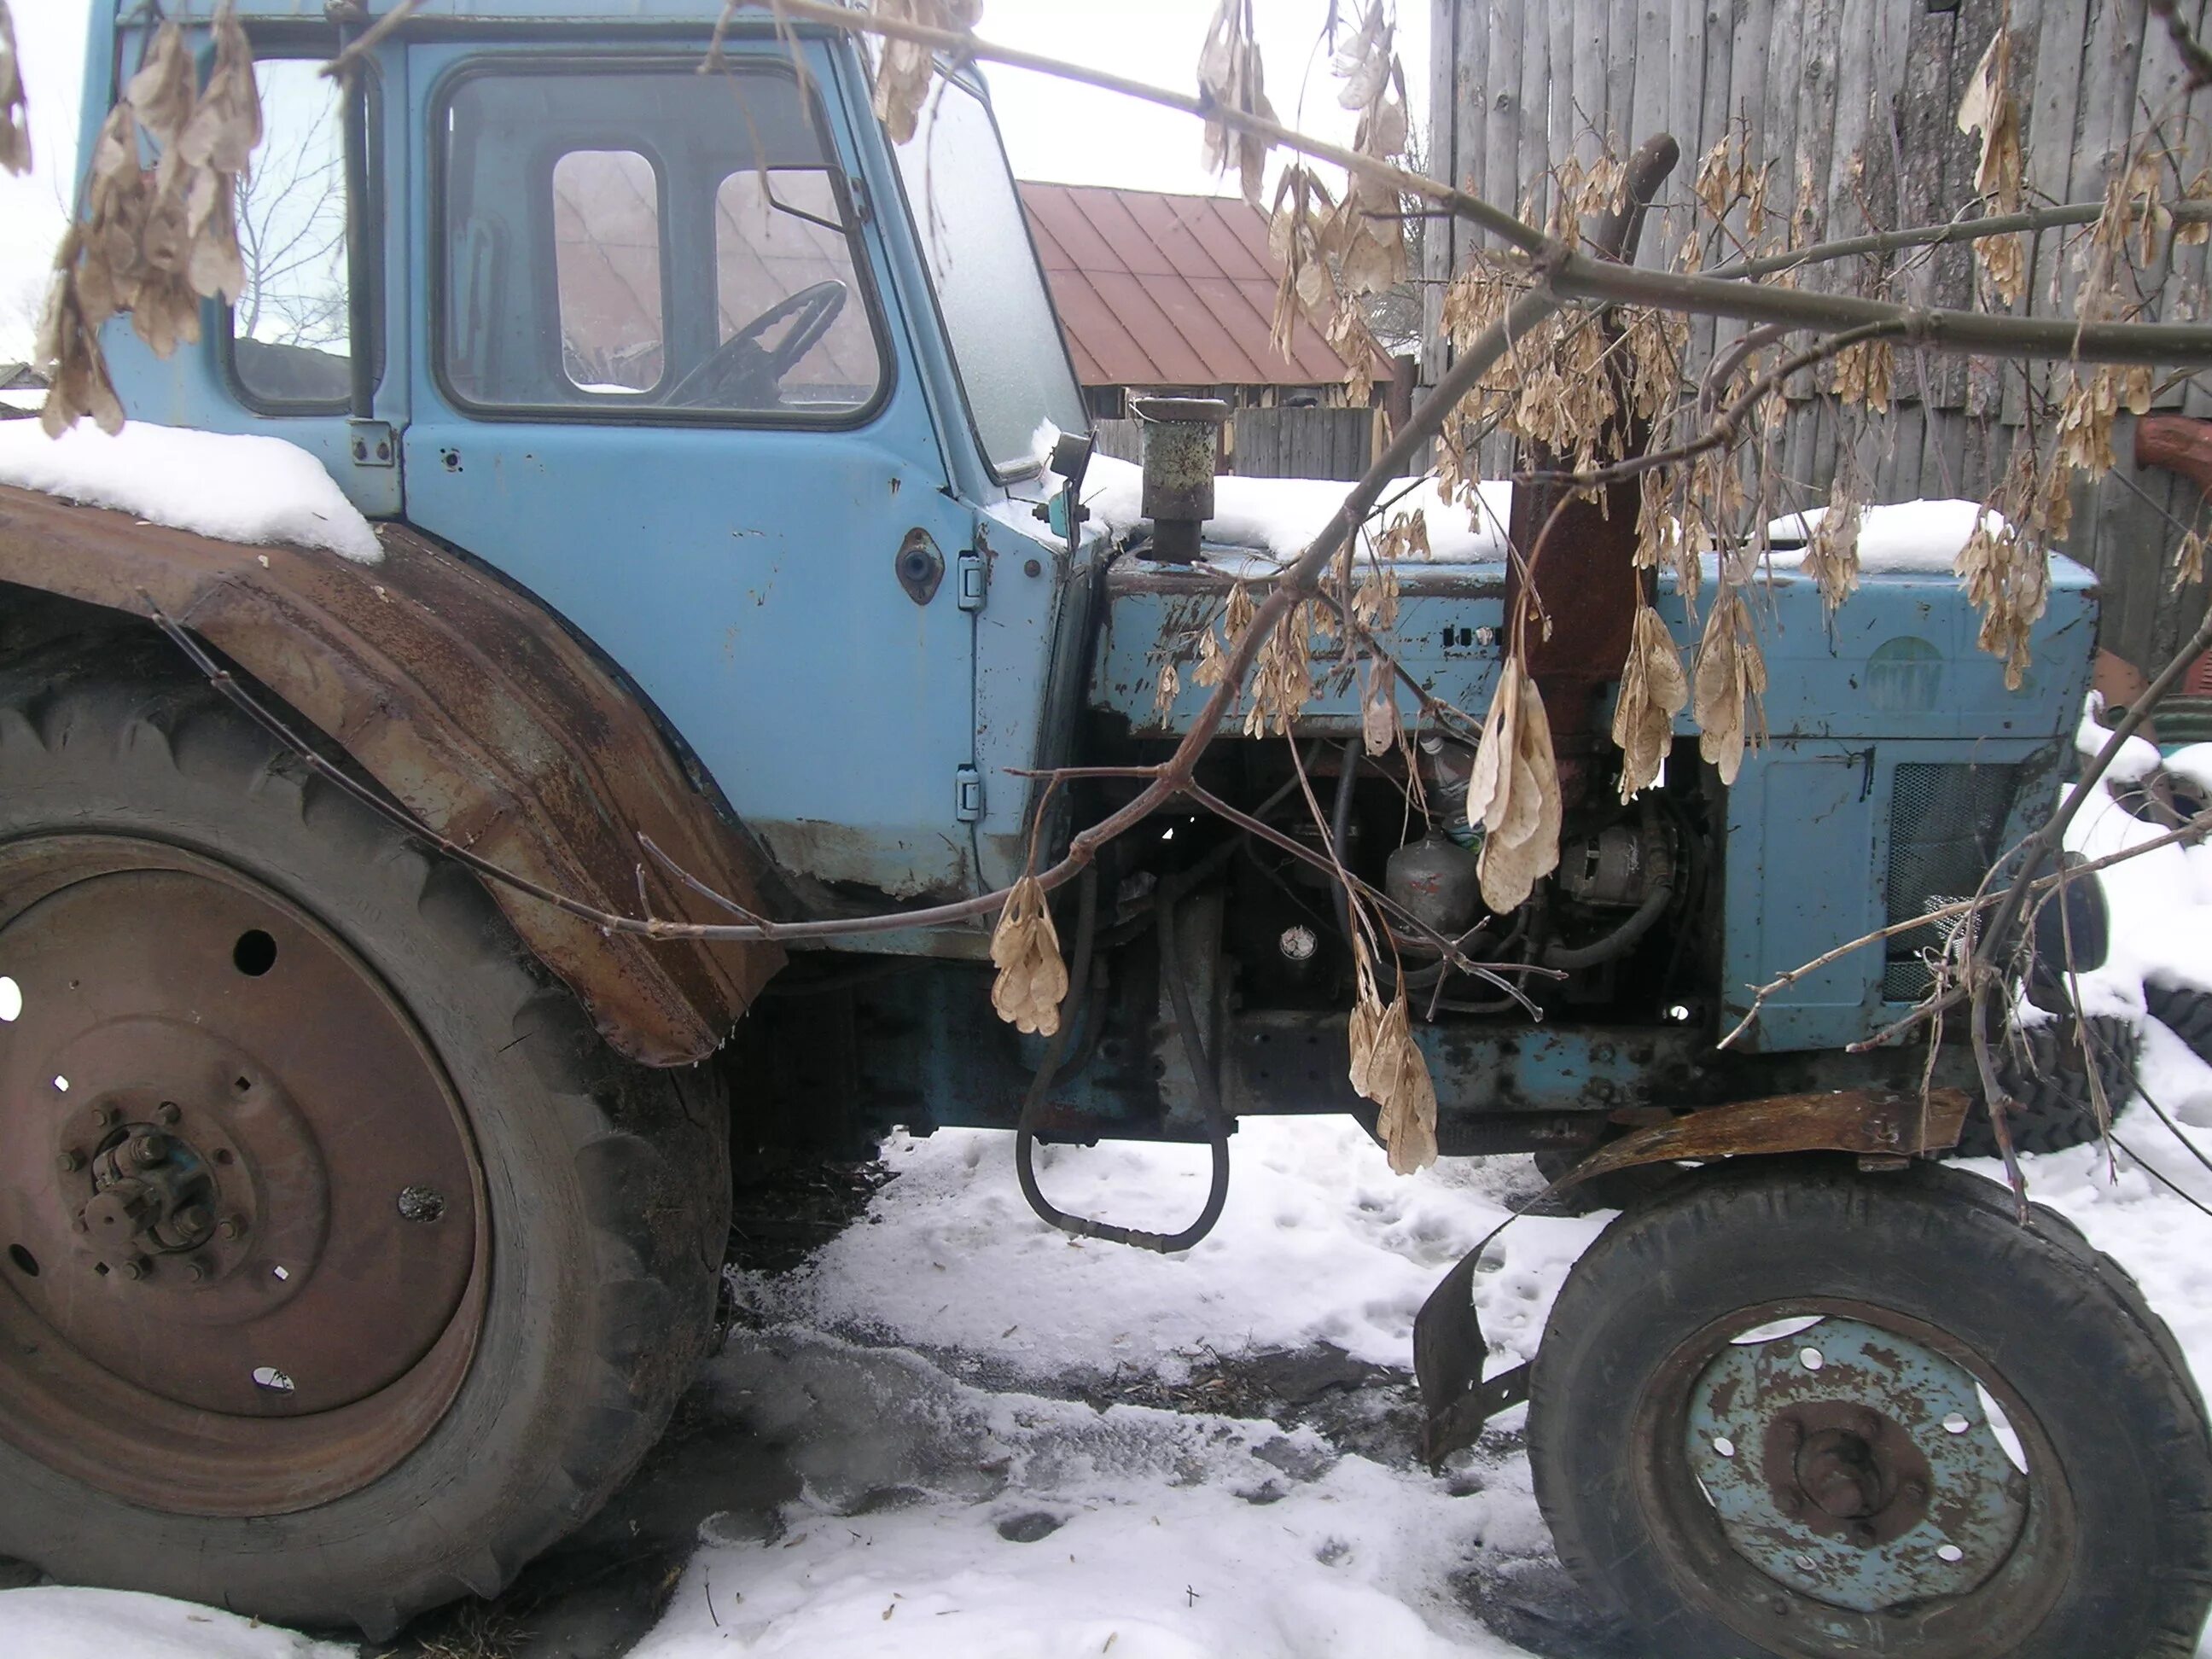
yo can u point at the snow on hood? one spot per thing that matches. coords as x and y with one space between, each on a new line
1282 516
235 488
1920 535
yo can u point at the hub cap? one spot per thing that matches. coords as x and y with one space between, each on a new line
1854 1466
241 1217
1829 1478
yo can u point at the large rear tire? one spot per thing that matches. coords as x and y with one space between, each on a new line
345 1267
1987 1444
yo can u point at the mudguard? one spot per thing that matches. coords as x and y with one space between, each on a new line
474 707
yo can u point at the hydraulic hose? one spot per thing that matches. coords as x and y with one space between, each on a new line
1187 1029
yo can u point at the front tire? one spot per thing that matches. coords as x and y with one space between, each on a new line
1848 1487
412 1267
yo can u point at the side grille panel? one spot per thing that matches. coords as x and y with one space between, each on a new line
1946 822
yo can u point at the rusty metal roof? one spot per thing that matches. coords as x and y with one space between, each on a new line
1156 290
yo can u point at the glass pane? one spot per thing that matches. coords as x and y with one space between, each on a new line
606 253
289 324
703 259
784 280
976 244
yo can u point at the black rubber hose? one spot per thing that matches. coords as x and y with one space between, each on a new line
1086 929
1339 831
1616 943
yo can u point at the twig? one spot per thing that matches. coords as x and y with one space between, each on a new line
1723 429
368 40
1573 275
2194 57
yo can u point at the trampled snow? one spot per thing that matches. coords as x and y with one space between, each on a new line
49 1622
238 488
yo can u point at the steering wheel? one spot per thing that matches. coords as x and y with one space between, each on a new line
741 372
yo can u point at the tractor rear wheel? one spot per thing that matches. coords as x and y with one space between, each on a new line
1792 1409
343 1268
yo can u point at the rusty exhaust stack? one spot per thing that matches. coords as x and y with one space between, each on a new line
1588 577
1182 435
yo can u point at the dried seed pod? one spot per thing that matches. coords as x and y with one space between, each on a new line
1653 691
1832 555
1730 679
1032 980
225 127
1513 793
161 93
2007 575
1379 722
1389 1068
903 68
1230 74
2189 560
15 109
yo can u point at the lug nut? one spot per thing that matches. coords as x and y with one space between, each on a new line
136 1266
69 1162
103 1116
231 1226
196 1271
167 1112
79 1224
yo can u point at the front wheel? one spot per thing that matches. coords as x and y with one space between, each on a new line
1825 1413
341 1266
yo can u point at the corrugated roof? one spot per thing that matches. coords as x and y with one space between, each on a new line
1167 290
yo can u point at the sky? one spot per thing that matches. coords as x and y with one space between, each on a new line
1072 134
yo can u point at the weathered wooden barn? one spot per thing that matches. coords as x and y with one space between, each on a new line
1859 96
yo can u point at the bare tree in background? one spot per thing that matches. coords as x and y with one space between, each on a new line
291 235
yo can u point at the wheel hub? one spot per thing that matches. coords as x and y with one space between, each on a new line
1855 1466
233 1182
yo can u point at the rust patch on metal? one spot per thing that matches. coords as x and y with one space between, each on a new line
1870 1123
476 708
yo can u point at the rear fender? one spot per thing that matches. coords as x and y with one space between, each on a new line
473 706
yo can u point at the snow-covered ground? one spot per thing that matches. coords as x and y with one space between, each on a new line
948 1385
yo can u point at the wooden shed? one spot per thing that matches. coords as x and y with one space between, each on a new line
1860 97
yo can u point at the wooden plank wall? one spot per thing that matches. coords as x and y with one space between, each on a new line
1516 88
1301 442
1291 442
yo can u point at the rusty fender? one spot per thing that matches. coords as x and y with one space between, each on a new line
476 708
1448 1348
1874 1123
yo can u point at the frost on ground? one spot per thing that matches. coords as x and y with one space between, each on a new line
236 487
987 1440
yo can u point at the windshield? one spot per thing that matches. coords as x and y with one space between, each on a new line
1005 339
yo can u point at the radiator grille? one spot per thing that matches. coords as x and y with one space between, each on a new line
1944 825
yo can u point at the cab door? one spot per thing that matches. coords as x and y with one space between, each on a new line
663 381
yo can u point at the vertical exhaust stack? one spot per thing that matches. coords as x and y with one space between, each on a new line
1181 437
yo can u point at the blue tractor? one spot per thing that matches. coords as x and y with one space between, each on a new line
362 1218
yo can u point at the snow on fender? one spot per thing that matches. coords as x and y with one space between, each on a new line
260 491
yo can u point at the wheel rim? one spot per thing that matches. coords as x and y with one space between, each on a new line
242 1226
1831 1478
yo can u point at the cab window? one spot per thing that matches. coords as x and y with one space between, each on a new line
288 337
654 245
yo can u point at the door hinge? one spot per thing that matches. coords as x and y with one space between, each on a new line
975 578
372 443
967 792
